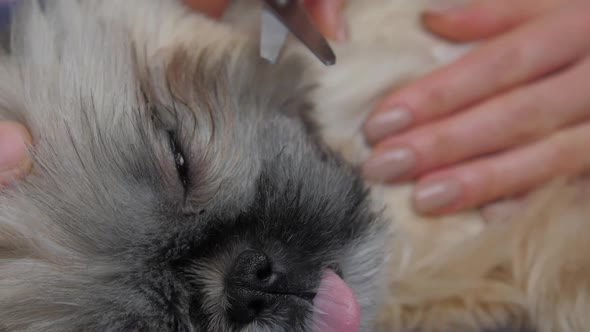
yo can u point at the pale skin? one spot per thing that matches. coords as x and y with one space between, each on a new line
503 119
511 114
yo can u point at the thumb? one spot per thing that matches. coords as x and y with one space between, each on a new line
464 21
14 159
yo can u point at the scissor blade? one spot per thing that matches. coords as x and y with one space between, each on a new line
273 34
294 17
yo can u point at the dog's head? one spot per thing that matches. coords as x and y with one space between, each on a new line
176 185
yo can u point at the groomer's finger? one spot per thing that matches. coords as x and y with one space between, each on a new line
14 160
463 20
327 15
510 173
512 119
213 8
525 54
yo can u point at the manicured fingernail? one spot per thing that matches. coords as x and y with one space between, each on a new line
445 6
389 164
387 123
13 140
436 195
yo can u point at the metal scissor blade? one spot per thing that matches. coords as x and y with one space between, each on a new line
273 34
295 19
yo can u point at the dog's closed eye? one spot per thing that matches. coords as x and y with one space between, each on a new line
179 159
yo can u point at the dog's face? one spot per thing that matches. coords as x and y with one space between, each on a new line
176 191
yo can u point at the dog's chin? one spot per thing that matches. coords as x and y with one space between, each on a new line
335 307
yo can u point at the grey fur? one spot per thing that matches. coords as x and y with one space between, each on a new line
104 235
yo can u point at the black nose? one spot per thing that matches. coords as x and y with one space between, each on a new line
253 286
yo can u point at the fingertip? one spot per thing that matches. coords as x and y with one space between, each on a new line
329 18
450 190
471 22
465 26
385 123
15 161
434 197
448 27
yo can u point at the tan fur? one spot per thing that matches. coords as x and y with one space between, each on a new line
455 273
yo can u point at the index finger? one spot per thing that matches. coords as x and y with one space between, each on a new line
526 53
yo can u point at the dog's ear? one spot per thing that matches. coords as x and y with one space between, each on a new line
286 86
236 78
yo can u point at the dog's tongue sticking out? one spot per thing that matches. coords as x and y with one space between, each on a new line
335 306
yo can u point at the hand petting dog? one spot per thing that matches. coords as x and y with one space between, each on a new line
508 116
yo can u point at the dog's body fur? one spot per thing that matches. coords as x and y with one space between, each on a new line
87 239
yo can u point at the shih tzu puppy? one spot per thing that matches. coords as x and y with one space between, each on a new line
179 183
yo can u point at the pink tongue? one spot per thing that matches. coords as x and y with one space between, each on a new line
335 306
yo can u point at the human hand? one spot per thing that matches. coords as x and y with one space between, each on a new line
327 14
506 117
14 159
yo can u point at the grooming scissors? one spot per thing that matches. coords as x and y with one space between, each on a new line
279 17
